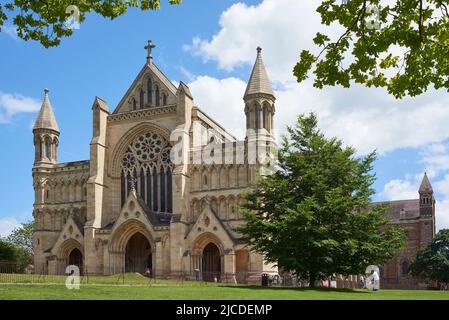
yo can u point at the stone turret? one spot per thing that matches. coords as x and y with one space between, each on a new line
259 98
46 134
426 200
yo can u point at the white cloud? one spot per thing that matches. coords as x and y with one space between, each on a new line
436 148
436 163
443 186
400 190
11 104
442 214
7 225
366 118
273 25
222 100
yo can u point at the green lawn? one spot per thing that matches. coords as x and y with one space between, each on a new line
192 292
134 286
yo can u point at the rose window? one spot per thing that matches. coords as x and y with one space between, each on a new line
146 167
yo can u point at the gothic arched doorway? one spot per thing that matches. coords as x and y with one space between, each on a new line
76 258
211 264
138 257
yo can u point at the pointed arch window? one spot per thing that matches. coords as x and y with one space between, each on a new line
162 189
47 148
39 156
158 98
404 267
155 206
134 103
147 165
128 184
264 117
169 192
148 189
150 92
164 99
257 118
142 101
142 184
122 188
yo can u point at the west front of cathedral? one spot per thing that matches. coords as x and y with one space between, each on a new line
148 200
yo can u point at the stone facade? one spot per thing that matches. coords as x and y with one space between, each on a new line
131 207
417 217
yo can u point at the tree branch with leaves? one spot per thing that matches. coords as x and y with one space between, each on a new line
45 20
403 47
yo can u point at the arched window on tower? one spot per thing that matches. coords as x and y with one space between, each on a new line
149 92
142 101
158 98
257 117
404 267
39 148
264 118
47 148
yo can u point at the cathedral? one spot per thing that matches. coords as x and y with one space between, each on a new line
161 191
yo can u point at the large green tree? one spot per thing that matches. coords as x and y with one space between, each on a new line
17 247
432 262
11 253
401 45
45 20
22 237
313 216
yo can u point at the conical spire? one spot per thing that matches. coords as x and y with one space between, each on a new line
46 118
425 187
259 82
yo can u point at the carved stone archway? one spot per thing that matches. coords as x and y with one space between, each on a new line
64 254
120 239
208 256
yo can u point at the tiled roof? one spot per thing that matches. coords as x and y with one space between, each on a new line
46 118
400 209
425 187
259 82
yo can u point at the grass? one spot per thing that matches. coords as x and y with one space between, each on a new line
137 287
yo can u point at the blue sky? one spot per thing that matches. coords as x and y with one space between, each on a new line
210 45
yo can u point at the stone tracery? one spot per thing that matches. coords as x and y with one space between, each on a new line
146 166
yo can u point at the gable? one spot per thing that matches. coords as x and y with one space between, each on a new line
209 222
71 231
134 209
145 87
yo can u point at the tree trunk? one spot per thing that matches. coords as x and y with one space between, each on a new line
312 279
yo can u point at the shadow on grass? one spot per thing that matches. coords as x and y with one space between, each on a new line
301 289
